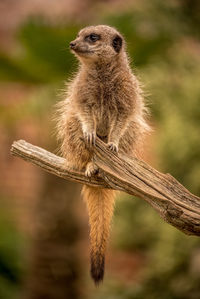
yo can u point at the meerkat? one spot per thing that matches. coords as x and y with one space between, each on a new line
105 100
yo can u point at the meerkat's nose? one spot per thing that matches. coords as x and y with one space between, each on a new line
72 45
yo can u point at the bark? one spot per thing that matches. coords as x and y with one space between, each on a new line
175 204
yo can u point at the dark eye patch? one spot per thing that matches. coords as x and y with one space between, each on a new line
93 37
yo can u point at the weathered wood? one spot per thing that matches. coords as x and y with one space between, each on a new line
175 204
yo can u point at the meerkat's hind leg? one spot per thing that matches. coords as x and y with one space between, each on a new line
91 169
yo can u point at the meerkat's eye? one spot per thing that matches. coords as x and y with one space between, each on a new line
93 37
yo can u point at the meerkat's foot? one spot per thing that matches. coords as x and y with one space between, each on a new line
112 147
91 169
90 138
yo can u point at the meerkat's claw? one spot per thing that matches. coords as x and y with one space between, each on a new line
91 169
112 147
90 138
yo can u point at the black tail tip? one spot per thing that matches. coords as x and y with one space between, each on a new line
97 270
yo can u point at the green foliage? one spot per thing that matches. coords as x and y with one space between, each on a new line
143 42
43 55
10 70
174 86
47 53
11 252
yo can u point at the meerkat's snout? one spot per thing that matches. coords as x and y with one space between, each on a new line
72 45
80 48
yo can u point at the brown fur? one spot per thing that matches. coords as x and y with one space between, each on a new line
100 204
103 100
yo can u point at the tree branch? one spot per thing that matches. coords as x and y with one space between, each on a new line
175 204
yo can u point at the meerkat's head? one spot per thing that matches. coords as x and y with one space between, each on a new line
97 43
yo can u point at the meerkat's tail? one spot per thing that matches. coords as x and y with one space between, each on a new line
100 204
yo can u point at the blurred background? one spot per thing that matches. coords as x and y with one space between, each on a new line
44 244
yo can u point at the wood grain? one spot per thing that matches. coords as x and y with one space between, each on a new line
174 203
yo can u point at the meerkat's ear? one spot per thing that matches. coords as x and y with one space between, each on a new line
117 43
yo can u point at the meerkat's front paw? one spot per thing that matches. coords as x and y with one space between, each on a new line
112 147
90 138
91 169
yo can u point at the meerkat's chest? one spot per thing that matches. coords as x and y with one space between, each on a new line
104 103
105 110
